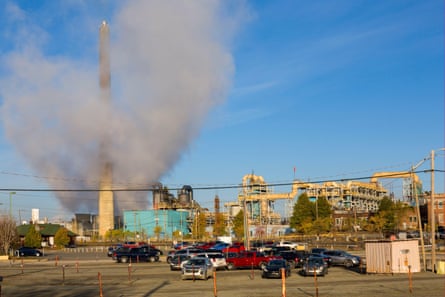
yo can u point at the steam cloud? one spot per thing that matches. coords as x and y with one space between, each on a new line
170 64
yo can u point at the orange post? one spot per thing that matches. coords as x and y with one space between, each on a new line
410 279
283 282
77 266
99 276
214 284
316 283
57 261
63 274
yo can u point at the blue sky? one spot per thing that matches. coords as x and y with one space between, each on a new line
337 90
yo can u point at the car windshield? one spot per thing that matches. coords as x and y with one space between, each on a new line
197 262
276 263
314 261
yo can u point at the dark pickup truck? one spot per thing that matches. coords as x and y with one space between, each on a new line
293 257
136 254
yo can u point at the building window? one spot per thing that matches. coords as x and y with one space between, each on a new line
338 221
440 204
440 218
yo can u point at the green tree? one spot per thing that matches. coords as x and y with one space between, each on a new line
219 229
201 225
376 223
157 231
324 207
302 213
321 225
61 237
386 204
238 225
33 237
176 234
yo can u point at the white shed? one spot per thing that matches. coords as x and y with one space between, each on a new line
392 256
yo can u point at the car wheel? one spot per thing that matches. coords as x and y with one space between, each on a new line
124 259
169 260
38 254
152 259
348 264
231 266
262 265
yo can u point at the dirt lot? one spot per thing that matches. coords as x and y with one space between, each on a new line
100 276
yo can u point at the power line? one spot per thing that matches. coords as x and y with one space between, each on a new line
203 188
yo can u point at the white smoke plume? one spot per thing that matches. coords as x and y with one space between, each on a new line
170 64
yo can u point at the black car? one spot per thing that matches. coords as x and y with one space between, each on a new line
135 254
327 259
27 251
318 250
314 266
274 267
295 258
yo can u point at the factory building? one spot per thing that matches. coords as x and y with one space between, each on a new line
162 224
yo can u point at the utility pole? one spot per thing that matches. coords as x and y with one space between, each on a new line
10 203
433 219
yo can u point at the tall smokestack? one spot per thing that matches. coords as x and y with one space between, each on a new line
106 202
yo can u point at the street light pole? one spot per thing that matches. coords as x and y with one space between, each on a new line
10 203
433 214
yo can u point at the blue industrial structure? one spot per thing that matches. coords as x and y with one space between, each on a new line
144 222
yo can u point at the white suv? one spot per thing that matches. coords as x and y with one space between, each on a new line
218 260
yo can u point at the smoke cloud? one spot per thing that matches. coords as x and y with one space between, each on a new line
170 64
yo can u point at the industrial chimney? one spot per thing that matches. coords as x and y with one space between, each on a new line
106 202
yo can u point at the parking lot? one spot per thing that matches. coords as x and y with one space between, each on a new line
94 274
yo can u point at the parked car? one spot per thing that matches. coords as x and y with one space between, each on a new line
177 262
27 251
274 267
220 246
412 234
217 258
110 251
318 250
191 252
182 245
292 245
248 259
293 257
314 266
327 259
135 254
342 258
197 267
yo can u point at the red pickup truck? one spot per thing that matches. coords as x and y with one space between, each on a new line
249 259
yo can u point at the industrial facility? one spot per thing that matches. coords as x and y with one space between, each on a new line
170 213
